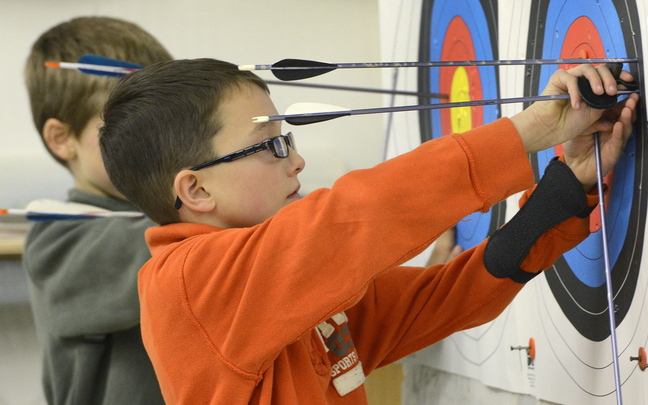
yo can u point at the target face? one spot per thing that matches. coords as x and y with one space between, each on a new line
461 30
576 28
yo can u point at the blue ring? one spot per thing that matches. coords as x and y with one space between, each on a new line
586 260
473 229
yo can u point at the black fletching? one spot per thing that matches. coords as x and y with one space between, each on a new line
303 69
312 119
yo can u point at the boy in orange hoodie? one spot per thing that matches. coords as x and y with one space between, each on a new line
256 295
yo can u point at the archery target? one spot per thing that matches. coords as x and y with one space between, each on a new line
574 28
461 30
569 367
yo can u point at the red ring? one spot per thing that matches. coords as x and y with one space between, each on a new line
583 40
458 45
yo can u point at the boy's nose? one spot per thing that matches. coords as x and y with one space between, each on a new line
297 161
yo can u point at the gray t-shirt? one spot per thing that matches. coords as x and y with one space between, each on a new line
83 287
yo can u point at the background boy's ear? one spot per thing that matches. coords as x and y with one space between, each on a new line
189 188
59 139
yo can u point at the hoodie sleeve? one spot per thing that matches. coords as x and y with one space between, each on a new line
83 273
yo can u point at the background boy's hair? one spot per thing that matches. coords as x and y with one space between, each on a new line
73 97
161 120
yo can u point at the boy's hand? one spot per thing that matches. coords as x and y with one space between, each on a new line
614 128
445 248
548 123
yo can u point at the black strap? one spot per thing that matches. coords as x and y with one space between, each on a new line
603 101
558 197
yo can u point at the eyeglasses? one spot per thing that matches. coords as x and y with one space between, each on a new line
279 145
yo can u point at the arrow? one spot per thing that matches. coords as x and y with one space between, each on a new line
58 216
608 270
297 69
360 89
310 113
103 66
54 210
98 65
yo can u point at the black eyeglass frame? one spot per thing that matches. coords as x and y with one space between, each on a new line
279 145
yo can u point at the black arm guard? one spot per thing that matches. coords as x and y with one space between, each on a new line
558 197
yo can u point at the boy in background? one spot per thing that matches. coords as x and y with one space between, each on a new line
83 273
255 295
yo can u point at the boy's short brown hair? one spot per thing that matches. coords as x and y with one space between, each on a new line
71 96
161 120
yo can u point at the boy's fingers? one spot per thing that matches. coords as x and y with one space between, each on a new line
622 131
630 116
608 80
627 76
631 102
569 81
456 251
594 78
614 145
599 126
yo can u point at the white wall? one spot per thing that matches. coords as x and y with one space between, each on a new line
239 31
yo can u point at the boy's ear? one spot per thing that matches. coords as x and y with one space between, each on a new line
188 186
59 139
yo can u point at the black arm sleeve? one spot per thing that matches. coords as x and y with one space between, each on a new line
558 197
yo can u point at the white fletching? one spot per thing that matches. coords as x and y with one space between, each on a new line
307 108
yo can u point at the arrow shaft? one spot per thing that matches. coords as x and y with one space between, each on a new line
510 62
125 71
472 103
359 89
608 271
60 215
89 66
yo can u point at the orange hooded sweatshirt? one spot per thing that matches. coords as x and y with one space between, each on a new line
298 309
